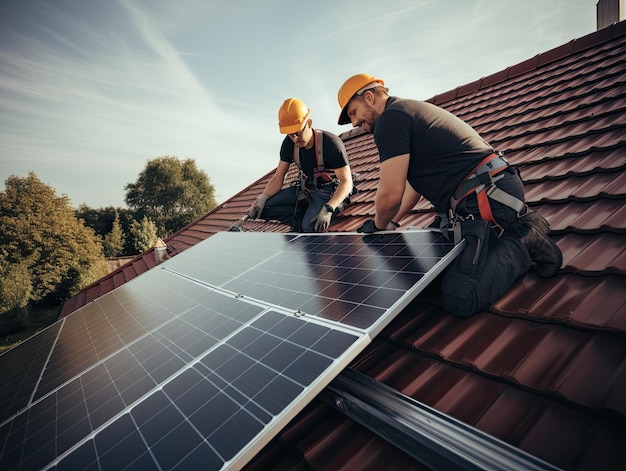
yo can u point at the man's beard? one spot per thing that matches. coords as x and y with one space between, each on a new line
370 120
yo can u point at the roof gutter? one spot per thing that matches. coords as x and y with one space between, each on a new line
434 439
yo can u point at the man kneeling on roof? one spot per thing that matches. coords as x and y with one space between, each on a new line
317 197
426 150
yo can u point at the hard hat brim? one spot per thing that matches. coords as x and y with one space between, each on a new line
355 85
343 116
291 129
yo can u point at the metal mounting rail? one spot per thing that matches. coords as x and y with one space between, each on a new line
434 439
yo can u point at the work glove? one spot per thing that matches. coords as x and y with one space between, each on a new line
436 222
257 207
368 227
322 220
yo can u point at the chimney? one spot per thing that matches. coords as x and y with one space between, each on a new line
609 12
160 251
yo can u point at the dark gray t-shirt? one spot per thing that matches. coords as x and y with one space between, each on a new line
335 155
443 148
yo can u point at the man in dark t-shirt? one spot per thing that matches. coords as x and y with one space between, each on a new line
427 151
319 196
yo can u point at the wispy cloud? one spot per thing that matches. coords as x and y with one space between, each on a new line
376 19
133 98
97 88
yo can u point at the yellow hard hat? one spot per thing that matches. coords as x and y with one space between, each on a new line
292 115
349 88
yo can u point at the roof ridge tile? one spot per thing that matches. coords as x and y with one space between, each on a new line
596 38
576 45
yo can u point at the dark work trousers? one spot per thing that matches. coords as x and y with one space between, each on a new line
285 207
489 264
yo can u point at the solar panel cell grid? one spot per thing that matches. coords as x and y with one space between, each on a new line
20 369
230 388
199 363
364 273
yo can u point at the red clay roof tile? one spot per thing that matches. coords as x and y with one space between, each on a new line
469 88
565 300
597 38
529 65
555 54
579 188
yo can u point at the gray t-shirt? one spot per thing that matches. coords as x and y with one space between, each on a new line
443 148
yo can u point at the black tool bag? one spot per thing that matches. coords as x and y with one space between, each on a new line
460 279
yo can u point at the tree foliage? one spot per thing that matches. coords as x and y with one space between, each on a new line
101 220
144 234
15 286
171 192
113 242
39 230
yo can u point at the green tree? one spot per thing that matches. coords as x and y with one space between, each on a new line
39 229
171 193
101 221
114 240
15 286
144 234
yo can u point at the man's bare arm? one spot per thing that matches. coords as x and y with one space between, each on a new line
391 189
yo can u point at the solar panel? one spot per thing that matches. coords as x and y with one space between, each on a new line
200 362
354 280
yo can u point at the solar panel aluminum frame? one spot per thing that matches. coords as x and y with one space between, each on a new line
410 294
314 389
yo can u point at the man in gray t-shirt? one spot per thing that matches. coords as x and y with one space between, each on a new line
427 151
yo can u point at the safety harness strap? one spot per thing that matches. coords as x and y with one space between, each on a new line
484 208
481 182
319 172
477 178
319 153
505 198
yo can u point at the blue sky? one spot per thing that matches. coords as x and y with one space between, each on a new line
92 89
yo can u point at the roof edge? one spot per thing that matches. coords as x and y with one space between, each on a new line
148 254
352 133
217 208
574 46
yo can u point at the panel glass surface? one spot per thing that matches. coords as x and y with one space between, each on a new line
20 369
197 364
352 279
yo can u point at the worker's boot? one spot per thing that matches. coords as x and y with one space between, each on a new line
531 217
543 251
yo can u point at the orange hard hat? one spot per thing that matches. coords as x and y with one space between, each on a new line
292 115
351 86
